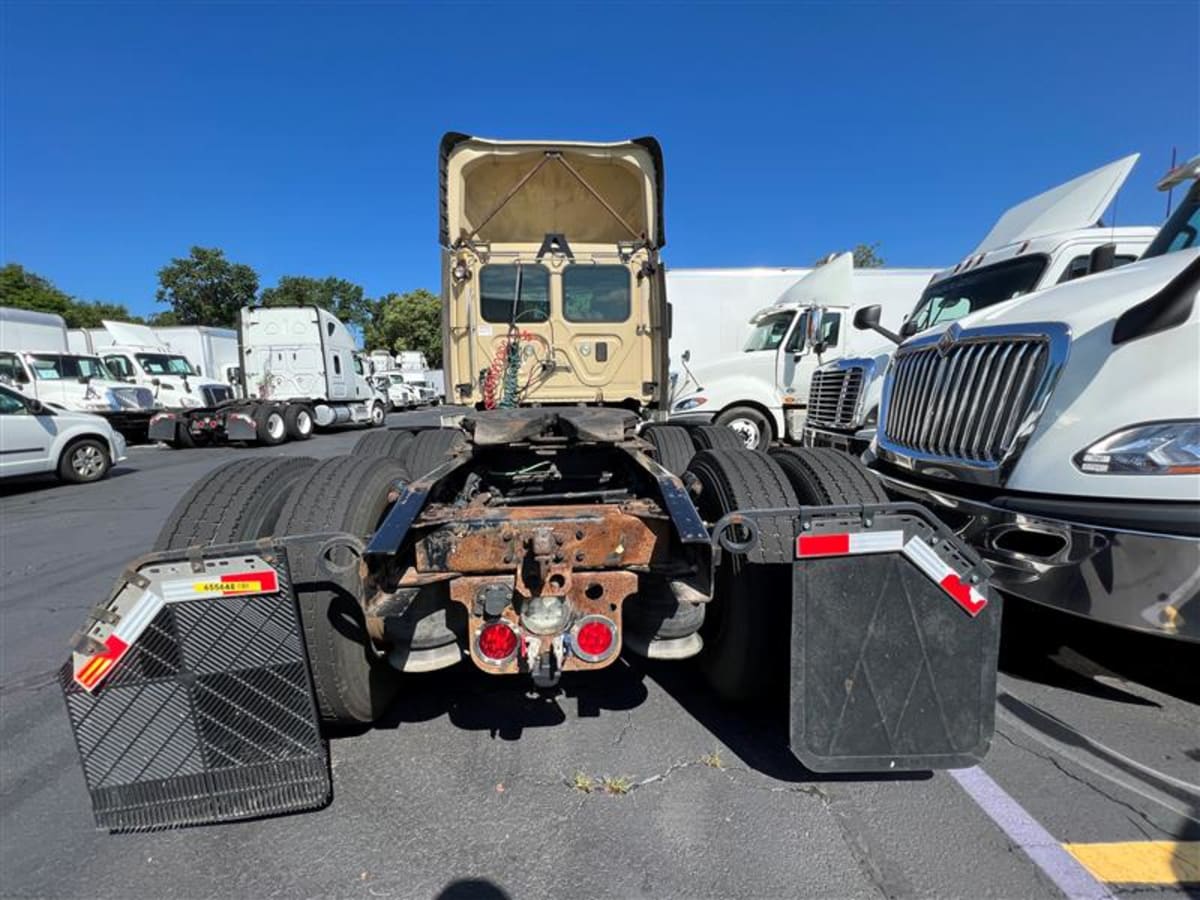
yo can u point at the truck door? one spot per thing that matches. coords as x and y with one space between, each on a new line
797 358
13 372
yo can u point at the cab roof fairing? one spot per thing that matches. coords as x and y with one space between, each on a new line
454 142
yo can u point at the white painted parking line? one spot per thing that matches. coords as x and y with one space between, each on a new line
1075 881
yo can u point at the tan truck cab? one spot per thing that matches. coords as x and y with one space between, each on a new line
553 291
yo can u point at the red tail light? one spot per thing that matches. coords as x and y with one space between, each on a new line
595 638
498 642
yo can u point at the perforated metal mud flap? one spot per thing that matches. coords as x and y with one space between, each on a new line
190 697
895 638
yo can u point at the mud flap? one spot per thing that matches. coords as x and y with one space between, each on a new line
895 639
190 697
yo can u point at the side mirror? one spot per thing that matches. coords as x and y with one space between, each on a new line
687 356
867 318
1102 258
35 406
908 329
812 328
85 379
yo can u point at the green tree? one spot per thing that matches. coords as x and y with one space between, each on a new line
204 288
866 256
26 290
409 321
341 297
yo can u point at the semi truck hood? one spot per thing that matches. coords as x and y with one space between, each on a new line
1078 203
1086 303
520 191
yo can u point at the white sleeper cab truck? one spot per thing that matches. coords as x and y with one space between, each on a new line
213 351
35 360
137 355
300 370
1048 239
1060 435
749 391
34 439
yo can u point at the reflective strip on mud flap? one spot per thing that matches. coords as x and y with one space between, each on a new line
234 585
924 557
927 560
89 675
812 545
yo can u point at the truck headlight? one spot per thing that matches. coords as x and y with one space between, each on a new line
188 401
690 403
1158 448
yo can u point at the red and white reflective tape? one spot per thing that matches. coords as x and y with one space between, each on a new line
93 669
813 546
810 545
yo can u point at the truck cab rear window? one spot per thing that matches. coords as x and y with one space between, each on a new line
517 293
596 294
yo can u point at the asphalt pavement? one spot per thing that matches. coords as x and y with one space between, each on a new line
629 783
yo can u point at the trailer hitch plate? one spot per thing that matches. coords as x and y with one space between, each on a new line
190 697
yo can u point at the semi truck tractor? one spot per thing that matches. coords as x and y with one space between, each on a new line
552 528
213 351
1060 435
137 355
760 392
1048 239
35 359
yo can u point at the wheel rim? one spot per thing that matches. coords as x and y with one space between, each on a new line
747 430
88 461
377 414
304 422
275 426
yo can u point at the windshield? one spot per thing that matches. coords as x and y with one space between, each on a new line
953 298
163 364
769 331
53 367
1181 231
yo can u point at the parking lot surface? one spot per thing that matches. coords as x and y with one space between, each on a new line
630 783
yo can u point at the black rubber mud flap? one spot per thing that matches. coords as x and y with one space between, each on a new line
895 640
190 697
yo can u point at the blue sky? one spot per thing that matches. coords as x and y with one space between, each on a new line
302 138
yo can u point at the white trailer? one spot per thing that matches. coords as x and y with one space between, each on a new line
36 360
1060 435
750 388
1045 240
300 370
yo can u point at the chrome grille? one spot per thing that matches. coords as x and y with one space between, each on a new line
833 396
966 401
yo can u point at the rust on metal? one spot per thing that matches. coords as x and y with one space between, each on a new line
581 537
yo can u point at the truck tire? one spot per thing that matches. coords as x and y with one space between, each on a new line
270 427
298 420
383 443
429 449
84 460
744 633
717 437
238 501
672 447
351 494
184 439
378 413
825 477
752 426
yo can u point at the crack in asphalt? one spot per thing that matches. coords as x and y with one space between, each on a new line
1079 779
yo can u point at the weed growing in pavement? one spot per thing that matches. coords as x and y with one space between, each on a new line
582 783
713 760
616 786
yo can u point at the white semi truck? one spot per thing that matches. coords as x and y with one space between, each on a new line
1059 434
137 355
36 360
214 351
749 391
1048 239
300 370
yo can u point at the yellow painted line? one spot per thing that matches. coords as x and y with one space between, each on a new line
1140 862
